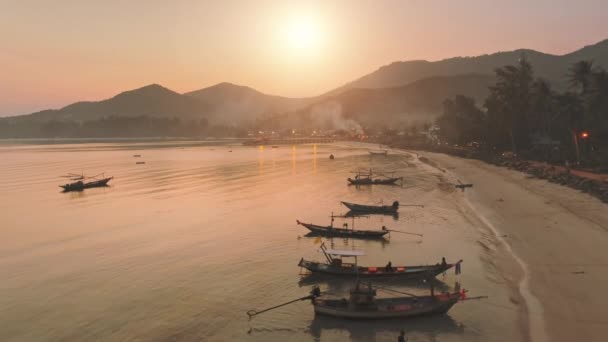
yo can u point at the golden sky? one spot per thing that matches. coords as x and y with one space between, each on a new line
53 53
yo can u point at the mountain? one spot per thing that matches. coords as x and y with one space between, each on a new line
152 100
394 94
550 67
420 101
234 104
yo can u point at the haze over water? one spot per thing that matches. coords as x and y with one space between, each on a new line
179 248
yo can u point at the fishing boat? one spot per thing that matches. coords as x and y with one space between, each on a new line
335 265
363 304
368 178
381 209
80 182
344 232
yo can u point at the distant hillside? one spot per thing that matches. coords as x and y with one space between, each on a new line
152 100
552 68
395 94
234 104
420 101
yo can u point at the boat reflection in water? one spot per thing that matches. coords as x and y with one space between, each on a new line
351 213
359 330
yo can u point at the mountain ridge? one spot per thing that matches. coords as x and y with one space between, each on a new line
548 66
234 105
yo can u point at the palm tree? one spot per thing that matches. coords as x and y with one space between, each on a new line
542 107
597 102
509 101
580 75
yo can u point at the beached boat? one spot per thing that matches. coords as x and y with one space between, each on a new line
335 265
382 153
80 184
381 209
344 232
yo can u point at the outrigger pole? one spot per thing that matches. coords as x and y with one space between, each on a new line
252 313
316 292
402 232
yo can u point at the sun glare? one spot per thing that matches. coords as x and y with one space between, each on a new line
303 34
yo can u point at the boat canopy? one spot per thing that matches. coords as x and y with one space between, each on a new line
344 252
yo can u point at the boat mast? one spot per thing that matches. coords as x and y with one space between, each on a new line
327 256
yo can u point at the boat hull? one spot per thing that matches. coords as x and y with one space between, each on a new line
380 209
343 232
369 181
79 186
401 272
386 308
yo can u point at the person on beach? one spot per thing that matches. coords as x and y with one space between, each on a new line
402 337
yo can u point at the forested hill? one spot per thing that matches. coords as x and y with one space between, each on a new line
550 67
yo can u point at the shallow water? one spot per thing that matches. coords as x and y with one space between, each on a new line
179 248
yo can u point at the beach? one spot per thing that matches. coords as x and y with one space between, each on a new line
556 236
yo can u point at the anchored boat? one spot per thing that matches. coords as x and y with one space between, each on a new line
369 178
79 182
380 209
335 265
363 304
343 232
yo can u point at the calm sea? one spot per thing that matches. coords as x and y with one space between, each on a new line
179 248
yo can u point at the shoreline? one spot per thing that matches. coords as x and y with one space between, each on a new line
534 319
595 184
531 326
554 233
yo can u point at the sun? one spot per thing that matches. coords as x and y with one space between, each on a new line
303 34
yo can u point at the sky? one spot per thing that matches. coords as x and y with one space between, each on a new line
53 53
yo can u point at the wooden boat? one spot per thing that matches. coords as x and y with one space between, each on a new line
367 178
336 266
377 181
363 304
344 232
382 209
383 153
79 183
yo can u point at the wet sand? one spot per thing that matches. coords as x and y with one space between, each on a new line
558 238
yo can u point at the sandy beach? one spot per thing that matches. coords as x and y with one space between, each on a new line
550 245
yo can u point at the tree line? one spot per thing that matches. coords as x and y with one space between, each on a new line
525 115
115 126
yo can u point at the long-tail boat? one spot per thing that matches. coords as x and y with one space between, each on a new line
367 178
336 266
343 232
363 304
381 209
80 182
